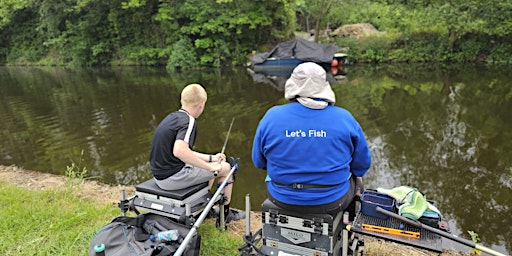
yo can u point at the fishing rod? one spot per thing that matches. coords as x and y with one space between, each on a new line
439 232
225 143
222 218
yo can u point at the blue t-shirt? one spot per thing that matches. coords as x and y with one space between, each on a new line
296 144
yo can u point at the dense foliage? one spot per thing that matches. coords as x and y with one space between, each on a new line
92 32
188 33
434 30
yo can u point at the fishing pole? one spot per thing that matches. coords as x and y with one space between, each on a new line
225 143
439 232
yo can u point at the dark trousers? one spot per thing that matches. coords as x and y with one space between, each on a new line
344 203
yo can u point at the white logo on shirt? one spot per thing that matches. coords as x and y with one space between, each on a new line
303 134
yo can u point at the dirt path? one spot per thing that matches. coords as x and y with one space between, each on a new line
105 194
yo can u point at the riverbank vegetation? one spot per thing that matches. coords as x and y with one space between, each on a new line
193 33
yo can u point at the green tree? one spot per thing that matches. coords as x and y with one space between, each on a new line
9 9
228 30
224 32
320 12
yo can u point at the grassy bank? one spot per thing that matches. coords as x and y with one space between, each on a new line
58 221
45 214
48 222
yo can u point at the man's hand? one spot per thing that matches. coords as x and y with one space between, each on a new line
219 157
359 186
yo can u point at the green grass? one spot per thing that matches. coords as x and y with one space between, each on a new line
58 222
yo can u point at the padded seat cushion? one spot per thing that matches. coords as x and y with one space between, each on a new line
150 187
269 205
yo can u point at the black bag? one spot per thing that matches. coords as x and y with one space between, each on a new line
130 236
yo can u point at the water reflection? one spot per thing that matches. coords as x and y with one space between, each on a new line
447 138
445 131
277 76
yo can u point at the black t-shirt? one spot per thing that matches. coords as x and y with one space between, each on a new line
178 125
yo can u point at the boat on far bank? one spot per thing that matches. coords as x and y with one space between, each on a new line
277 75
288 55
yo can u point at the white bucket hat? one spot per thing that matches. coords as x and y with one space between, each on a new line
309 86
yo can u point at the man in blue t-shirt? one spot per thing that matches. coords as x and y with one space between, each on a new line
174 163
313 151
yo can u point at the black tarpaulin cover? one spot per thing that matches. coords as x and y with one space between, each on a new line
299 49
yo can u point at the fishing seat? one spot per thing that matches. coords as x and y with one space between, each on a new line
180 204
285 231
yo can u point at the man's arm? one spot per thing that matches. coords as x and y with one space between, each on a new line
258 158
361 157
211 158
182 151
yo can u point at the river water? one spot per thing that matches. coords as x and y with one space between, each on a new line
444 130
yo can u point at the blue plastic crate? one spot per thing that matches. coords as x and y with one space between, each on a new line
371 199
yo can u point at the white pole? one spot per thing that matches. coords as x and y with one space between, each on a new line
196 225
247 214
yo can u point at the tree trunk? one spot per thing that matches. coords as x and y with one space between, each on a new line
317 29
452 37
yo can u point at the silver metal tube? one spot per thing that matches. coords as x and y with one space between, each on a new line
122 202
247 215
203 215
344 247
188 210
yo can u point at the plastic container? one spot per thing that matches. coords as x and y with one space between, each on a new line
371 199
165 236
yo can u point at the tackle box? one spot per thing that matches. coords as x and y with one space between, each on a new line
285 232
371 199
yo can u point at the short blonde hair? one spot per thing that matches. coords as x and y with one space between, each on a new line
193 95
